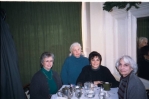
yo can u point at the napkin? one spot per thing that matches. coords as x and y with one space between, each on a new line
61 98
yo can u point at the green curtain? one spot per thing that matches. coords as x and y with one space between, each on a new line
42 26
143 27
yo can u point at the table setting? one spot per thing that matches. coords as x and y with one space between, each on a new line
88 91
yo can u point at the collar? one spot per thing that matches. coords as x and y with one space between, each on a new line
95 69
127 77
75 57
45 71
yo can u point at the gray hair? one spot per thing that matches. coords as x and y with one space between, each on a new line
127 59
45 55
141 39
72 45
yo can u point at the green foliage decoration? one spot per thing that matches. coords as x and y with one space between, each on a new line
108 6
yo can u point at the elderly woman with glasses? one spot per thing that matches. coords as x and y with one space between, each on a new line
130 86
46 81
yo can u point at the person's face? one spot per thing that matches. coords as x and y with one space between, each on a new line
124 68
144 43
95 62
76 51
47 63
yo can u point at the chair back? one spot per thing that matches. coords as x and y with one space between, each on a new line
27 90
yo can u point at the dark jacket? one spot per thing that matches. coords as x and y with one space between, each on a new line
143 68
101 74
39 85
135 89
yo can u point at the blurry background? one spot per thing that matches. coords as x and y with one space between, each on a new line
42 26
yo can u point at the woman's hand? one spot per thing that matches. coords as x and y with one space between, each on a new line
98 82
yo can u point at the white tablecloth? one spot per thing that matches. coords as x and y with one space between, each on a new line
113 94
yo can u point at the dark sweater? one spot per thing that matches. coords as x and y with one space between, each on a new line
135 88
39 88
101 74
143 68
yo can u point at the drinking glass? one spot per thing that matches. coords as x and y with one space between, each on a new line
90 93
78 93
87 85
107 95
101 95
101 86
72 87
70 94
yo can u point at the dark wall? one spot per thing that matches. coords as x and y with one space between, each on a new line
42 26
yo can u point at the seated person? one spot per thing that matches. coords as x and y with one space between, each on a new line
131 87
95 72
46 81
73 64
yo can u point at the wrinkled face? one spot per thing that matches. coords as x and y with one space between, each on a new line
124 68
76 51
47 63
95 62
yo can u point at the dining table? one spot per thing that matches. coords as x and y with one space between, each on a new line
112 94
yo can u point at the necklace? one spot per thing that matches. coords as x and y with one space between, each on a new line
47 76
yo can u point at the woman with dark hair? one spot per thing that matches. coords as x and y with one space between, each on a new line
95 72
46 81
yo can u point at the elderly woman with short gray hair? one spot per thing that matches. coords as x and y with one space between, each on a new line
46 81
130 86
73 64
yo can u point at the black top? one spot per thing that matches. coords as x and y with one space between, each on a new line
100 74
143 68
